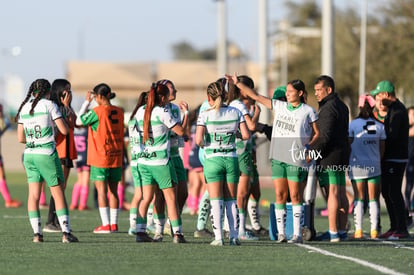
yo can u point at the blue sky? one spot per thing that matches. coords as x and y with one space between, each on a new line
53 32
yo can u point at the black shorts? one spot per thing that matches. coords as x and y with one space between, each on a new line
67 162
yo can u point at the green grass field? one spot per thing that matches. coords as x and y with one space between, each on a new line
120 254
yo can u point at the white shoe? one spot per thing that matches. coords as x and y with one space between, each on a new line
281 238
217 243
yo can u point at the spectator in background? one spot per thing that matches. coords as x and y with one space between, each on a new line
395 159
4 190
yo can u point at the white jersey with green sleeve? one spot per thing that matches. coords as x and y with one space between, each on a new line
39 128
204 106
156 149
292 130
175 140
135 141
220 134
242 145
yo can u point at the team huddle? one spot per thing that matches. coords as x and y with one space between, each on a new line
223 129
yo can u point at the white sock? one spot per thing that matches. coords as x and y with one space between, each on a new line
103 212
373 214
36 225
114 215
133 220
150 215
64 223
159 225
226 226
253 210
232 217
242 222
297 211
358 214
216 217
280 212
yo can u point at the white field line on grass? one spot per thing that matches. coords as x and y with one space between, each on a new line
376 267
397 245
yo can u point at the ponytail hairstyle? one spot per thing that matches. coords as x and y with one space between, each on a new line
57 89
39 88
142 100
155 96
104 90
216 91
300 86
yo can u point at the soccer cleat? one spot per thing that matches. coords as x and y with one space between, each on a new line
69 238
52 228
132 232
167 229
114 228
281 238
327 236
374 234
387 234
38 238
150 229
83 208
234 241
203 233
397 235
358 234
102 229
73 207
157 238
296 239
247 236
179 238
217 243
261 231
343 236
142 237
334 237
13 204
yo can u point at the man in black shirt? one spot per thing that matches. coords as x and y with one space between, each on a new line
394 160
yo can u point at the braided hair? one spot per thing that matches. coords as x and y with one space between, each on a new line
39 88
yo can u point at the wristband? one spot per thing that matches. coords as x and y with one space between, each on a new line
186 112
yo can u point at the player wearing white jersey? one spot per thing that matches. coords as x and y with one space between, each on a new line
36 119
367 139
155 122
244 153
294 129
216 133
